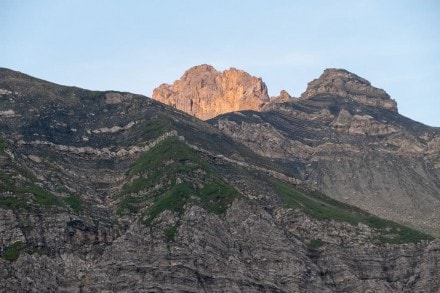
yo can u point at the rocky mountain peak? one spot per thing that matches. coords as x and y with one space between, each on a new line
204 92
342 83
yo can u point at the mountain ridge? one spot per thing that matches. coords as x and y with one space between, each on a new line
113 191
199 88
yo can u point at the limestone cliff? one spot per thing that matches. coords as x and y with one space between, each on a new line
205 92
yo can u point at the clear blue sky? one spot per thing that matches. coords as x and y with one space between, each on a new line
137 45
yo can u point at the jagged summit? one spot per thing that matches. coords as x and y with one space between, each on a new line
204 92
342 83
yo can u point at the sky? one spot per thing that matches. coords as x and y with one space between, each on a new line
137 45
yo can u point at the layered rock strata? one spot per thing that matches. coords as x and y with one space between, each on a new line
341 83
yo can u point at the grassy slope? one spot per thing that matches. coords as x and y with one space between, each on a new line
169 176
20 194
325 208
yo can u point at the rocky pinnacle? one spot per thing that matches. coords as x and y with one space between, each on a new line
341 83
205 92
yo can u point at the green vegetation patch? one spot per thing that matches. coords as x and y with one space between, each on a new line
319 208
316 243
395 233
173 199
42 196
156 126
75 203
2 145
168 177
6 181
325 208
170 232
18 198
12 252
12 202
164 153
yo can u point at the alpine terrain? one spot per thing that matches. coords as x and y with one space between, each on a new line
212 186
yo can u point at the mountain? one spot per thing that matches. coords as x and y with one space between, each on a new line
205 92
346 139
113 191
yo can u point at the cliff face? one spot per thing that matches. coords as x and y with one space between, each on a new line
111 192
205 92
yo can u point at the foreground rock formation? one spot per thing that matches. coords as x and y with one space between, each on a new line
115 192
205 92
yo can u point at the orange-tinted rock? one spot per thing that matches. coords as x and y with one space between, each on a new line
205 92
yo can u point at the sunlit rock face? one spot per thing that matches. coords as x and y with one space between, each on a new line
205 92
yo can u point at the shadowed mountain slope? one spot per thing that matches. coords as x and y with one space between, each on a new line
346 139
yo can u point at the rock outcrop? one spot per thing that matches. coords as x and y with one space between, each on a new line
341 83
205 92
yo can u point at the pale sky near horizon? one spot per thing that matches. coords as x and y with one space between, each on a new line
136 45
